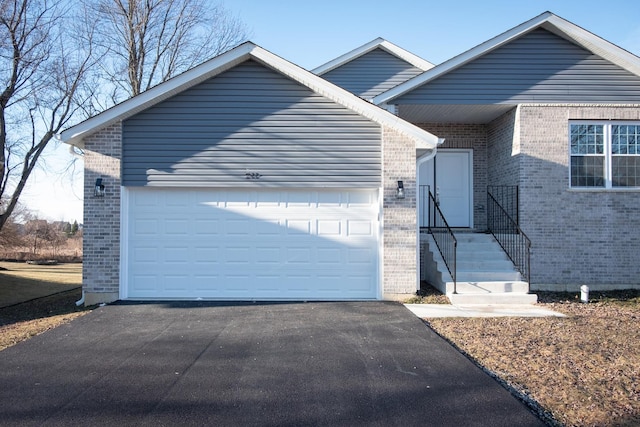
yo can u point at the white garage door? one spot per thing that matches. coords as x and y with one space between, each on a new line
247 244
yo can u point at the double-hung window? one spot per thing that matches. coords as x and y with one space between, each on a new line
604 155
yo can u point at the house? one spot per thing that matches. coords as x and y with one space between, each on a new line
248 177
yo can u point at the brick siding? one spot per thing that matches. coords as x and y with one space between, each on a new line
101 266
400 237
578 236
503 150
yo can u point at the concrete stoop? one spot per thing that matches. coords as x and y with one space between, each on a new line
485 275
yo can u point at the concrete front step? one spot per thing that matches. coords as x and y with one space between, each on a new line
484 273
487 276
515 286
498 265
492 298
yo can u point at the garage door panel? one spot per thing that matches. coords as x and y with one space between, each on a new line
269 227
145 282
360 199
330 257
177 227
145 255
329 227
145 226
207 226
268 255
208 255
298 227
176 256
359 228
360 255
293 244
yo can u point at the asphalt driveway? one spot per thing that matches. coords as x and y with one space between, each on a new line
359 363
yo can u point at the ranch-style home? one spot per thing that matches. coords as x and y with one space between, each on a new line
510 168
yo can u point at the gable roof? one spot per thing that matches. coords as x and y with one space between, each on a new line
75 134
547 21
378 43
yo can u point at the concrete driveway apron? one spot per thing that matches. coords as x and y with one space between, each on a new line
189 363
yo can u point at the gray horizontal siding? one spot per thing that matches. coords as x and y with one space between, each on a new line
250 119
537 67
372 73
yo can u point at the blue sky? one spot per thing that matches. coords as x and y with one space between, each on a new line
311 33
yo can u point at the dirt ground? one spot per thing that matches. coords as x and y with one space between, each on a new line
583 370
22 321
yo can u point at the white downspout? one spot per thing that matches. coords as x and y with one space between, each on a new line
420 161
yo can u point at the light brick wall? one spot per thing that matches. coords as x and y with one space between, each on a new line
400 237
578 237
503 150
101 266
474 137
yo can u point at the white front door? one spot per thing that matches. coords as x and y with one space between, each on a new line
450 177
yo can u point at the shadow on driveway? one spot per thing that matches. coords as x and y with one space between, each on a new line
343 363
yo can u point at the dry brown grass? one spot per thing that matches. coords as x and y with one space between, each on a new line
23 321
20 281
583 369
63 274
36 298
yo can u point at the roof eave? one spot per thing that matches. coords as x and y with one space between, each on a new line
548 21
215 66
381 43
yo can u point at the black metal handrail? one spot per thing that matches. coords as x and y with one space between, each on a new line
507 196
511 238
425 213
443 236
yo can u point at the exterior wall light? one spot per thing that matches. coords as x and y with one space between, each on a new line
99 189
400 190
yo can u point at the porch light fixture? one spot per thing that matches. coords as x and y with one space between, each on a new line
99 189
400 190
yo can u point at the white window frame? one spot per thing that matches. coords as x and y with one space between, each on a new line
608 155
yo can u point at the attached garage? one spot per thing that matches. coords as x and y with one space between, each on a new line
250 186
248 178
246 244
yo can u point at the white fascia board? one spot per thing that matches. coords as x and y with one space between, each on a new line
407 56
593 43
422 138
393 49
548 21
75 134
347 57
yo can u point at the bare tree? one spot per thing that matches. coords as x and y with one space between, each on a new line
12 235
41 82
146 42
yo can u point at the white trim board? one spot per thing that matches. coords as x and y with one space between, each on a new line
381 43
